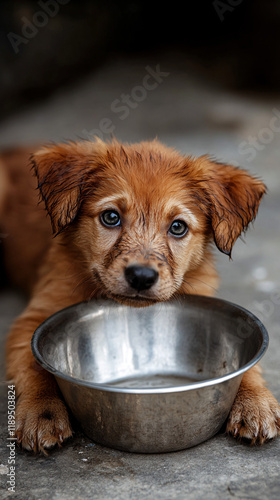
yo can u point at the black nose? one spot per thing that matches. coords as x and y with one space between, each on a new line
140 277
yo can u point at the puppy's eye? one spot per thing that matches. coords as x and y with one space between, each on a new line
110 218
178 228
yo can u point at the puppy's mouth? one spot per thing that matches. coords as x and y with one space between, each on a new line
134 300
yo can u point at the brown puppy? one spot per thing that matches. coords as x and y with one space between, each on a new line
131 222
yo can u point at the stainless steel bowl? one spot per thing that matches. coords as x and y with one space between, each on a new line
155 379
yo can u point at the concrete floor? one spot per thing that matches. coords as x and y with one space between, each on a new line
196 118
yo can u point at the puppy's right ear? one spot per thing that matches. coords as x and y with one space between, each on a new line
61 171
234 197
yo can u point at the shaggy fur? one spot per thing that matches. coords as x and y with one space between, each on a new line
150 186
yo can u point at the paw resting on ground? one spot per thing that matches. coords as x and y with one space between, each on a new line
254 417
41 424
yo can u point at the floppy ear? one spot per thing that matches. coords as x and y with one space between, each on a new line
61 171
234 197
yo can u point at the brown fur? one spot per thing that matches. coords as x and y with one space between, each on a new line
150 185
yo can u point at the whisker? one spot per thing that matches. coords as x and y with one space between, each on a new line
206 284
188 284
179 298
92 294
82 282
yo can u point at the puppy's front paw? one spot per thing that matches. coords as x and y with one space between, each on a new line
41 424
254 416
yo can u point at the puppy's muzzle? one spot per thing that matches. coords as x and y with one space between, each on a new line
140 277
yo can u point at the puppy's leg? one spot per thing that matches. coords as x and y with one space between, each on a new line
41 416
255 415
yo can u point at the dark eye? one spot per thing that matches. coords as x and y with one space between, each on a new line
178 228
110 218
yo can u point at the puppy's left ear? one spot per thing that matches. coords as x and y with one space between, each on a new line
61 170
234 197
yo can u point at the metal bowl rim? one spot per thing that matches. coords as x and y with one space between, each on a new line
40 330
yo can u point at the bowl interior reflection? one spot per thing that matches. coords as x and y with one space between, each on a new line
164 345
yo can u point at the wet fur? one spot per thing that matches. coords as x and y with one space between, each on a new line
150 185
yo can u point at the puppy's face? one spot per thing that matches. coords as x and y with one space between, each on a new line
143 215
140 234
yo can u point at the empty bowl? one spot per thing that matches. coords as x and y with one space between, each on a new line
155 379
